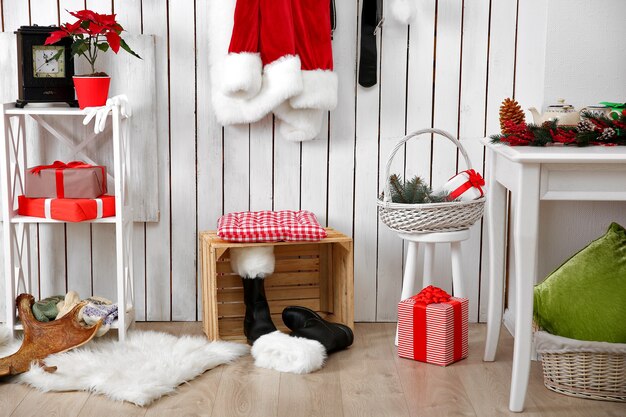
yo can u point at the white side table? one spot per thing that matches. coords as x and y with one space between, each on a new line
534 174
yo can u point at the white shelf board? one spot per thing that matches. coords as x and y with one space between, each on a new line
30 219
130 319
47 111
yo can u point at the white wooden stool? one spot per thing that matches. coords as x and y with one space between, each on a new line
409 281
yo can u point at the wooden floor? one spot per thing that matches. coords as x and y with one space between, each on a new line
366 380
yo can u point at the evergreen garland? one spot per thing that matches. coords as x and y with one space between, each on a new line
414 191
594 129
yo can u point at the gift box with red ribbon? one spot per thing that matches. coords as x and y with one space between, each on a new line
432 327
75 179
464 186
67 209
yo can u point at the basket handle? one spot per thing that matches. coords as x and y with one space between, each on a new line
406 139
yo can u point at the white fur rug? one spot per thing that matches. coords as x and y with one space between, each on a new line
146 367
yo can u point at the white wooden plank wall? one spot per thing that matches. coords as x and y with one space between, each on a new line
450 69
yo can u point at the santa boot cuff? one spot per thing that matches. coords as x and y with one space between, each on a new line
253 262
285 353
239 74
319 91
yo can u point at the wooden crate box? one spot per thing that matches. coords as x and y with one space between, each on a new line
317 275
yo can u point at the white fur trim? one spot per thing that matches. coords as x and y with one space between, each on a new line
298 125
239 74
319 91
282 80
285 353
403 11
253 262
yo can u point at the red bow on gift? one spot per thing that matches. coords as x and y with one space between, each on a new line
475 178
60 165
432 295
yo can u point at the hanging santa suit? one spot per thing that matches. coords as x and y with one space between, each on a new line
300 117
272 55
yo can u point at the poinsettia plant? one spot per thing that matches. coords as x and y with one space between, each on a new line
92 33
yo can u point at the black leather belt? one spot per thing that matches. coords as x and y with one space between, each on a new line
371 19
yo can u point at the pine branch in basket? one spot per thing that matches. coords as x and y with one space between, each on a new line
397 188
414 191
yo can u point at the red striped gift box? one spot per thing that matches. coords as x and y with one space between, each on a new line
433 332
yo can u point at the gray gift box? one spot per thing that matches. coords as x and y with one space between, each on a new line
83 181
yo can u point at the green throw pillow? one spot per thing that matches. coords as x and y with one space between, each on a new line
585 298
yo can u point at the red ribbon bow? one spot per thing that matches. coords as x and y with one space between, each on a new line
475 178
60 165
432 295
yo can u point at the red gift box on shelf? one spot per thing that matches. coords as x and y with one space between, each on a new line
432 327
67 209
75 179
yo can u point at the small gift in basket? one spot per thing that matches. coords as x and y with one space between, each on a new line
432 327
431 216
464 186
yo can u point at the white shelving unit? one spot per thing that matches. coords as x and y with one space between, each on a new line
14 162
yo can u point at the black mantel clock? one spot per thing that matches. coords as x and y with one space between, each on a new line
44 71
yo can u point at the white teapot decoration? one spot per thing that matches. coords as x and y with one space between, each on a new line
565 114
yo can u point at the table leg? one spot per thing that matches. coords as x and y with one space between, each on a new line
410 273
495 217
525 235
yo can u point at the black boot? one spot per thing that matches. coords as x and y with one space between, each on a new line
304 322
258 320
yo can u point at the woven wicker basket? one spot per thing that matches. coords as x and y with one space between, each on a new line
597 376
571 370
427 218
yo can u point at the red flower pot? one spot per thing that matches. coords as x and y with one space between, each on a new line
92 91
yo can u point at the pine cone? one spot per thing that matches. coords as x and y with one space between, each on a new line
510 110
585 126
607 134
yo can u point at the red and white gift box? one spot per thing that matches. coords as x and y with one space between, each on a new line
75 179
270 226
67 209
433 330
465 186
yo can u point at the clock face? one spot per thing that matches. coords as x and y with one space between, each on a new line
48 61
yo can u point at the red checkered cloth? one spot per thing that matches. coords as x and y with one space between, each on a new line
270 226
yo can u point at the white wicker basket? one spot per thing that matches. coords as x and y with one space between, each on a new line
427 218
592 370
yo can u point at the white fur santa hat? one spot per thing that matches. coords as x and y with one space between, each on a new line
276 350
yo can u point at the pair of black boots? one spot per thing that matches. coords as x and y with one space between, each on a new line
302 322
